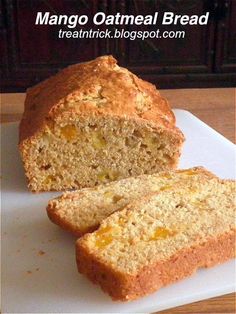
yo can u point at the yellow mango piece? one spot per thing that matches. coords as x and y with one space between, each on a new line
49 179
161 233
101 231
104 237
151 142
103 176
166 187
112 197
69 132
107 174
108 195
98 140
103 241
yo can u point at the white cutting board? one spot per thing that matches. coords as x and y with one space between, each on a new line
38 262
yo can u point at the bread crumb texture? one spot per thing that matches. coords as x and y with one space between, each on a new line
83 210
93 123
160 239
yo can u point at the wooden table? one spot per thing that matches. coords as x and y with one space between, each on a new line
214 106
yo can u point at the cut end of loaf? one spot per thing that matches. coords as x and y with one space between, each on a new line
95 122
96 150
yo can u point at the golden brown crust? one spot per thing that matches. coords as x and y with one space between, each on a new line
97 87
123 287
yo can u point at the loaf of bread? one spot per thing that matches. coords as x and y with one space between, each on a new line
160 239
93 123
82 211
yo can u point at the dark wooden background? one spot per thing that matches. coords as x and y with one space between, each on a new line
206 57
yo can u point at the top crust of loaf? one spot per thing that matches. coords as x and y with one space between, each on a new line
98 87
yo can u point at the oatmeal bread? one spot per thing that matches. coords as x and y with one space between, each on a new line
93 123
160 239
82 211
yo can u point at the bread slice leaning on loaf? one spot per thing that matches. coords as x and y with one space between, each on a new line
160 239
93 123
82 211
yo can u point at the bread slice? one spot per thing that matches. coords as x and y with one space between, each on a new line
93 123
82 211
160 239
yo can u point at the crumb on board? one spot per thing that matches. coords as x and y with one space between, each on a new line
30 272
40 252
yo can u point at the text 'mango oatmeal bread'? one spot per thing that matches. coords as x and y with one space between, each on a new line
93 123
